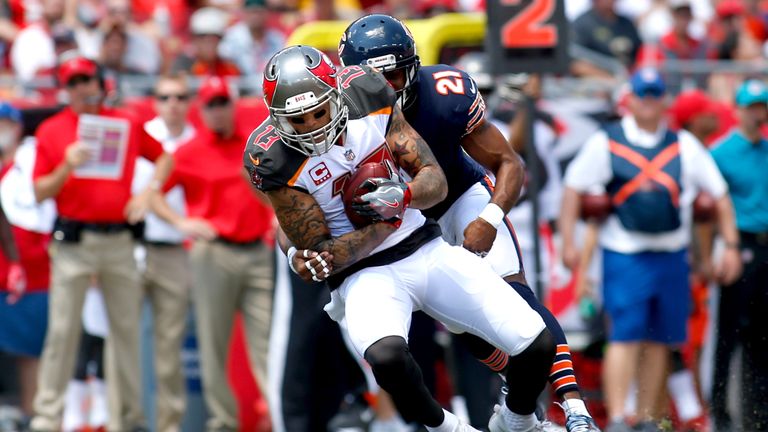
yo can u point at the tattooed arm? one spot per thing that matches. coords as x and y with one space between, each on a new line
303 222
413 155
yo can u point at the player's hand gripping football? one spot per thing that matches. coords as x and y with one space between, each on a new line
479 236
387 200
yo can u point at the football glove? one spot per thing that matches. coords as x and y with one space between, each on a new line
387 198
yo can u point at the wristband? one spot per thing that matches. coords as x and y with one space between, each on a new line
407 195
493 214
291 252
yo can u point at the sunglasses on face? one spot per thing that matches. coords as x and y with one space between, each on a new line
79 79
181 97
218 102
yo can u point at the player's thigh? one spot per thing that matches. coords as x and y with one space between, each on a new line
449 225
464 293
462 212
376 305
504 255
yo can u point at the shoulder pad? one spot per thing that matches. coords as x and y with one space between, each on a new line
365 91
454 96
270 164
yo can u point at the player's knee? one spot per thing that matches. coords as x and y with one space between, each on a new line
389 359
540 352
529 371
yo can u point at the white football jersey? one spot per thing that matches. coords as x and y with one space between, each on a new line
324 176
273 165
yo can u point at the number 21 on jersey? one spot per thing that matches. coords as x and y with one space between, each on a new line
448 81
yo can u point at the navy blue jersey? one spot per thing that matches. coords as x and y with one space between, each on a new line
447 108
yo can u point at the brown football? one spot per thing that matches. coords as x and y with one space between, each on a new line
595 207
352 190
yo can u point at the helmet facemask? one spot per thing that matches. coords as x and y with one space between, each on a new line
320 140
410 67
407 95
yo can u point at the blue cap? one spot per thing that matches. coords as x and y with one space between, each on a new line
648 82
8 111
752 92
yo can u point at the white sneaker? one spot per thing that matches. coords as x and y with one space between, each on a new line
497 424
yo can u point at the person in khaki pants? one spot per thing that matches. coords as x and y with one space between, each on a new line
91 238
232 267
166 271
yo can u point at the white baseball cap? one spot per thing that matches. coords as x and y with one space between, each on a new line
209 20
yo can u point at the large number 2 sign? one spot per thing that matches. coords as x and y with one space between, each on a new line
528 29
527 36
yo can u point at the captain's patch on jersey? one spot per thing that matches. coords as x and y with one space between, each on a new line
320 173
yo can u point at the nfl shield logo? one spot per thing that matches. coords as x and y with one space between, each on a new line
349 155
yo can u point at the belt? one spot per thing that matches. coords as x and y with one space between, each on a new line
104 228
237 243
760 239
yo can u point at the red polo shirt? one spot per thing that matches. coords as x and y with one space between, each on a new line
210 169
86 199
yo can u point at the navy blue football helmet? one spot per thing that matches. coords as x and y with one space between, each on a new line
384 43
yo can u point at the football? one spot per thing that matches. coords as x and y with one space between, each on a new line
352 190
595 207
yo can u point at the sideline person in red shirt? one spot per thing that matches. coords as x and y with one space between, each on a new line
88 170
232 266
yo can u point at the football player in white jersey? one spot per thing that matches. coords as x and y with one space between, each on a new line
322 126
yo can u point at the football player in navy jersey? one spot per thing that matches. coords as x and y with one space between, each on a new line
322 127
444 106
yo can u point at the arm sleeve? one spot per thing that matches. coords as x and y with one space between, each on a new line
149 147
475 114
461 106
592 166
43 160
